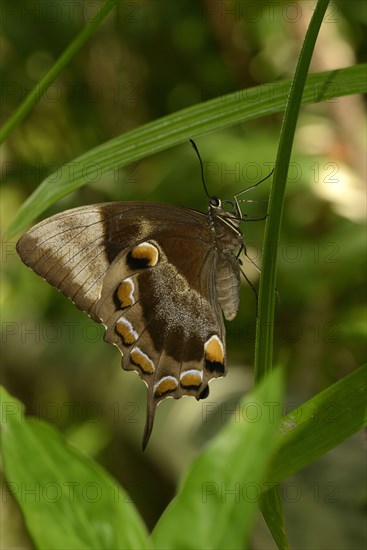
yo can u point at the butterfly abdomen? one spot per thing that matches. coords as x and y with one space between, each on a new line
228 284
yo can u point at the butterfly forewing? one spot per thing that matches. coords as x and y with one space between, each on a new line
69 251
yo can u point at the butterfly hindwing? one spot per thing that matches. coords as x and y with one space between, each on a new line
165 323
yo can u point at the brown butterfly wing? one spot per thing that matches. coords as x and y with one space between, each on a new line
69 251
74 249
159 307
100 255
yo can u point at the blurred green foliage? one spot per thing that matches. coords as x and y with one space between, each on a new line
149 59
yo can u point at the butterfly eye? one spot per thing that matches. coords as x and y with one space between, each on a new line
214 201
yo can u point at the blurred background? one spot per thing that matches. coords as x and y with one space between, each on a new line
149 59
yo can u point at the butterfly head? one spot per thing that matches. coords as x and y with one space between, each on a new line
227 209
216 205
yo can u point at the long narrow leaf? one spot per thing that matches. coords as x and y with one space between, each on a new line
36 94
271 506
321 424
177 128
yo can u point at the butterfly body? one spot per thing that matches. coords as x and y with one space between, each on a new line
157 276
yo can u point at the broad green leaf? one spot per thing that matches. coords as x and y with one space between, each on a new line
177 128
321 424
217 501
67 500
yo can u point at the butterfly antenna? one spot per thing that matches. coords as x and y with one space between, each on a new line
201 167
252 187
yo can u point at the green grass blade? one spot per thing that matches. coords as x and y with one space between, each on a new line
179 127
217 502
36 94
272 510
321 424
264 339
271 505
67 500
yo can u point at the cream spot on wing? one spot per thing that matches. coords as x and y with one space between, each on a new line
214 354
164 385
141 359
145 253
191 377
125 293
125 329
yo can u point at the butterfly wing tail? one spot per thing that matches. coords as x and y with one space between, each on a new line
151 408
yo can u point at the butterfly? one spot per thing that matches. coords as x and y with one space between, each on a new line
159 278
